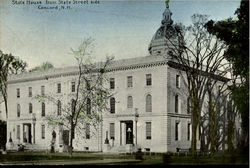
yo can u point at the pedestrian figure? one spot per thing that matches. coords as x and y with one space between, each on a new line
52 150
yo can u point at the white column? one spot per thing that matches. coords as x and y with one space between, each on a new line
27 132
134 133
120 133
22 129
124 134
33 133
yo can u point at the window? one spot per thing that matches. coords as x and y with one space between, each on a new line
112 131
130 81
148 130
88 106
30 108
43 109
18 132
42 90
176 104
148 80
130 102
18 110
178 81
73 86
59 88
87 131
18 93
188 131
43 131
30 91
59 107
177 131
73 105
112 83
148 103
188 105
112 105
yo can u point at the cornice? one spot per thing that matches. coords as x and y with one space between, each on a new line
74 73
137 66
203 73
179 115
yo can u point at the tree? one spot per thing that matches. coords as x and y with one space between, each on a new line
90 100
9 64
44 66
218 120
200 55
3 134
235 33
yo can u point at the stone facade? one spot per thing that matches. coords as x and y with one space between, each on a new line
162 117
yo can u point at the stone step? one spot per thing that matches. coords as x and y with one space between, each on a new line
123 149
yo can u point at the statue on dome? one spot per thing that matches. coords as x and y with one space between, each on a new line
167 3
167 15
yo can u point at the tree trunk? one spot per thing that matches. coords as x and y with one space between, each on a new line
194 125
71 139
203 146
230 136
212 123
6 105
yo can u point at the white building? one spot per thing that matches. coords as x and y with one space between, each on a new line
150 111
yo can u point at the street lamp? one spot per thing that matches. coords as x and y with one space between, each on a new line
129 132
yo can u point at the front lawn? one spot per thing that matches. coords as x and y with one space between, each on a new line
76 156
149 159
217 159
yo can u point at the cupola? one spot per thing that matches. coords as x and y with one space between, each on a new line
165 33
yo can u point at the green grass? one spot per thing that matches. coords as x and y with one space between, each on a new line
41 156
155 159
217 159
28 156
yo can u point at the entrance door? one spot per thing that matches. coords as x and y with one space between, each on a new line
29 133
129 132
65 137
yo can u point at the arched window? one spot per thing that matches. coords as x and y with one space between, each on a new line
43 109
112 105
88 106
30 108
148 103
59 107
18 110
176 104
130 102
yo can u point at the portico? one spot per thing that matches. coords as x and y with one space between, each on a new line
126 132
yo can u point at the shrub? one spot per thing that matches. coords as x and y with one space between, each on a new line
139 154
166 157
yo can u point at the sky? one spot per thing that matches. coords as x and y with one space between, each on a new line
121 28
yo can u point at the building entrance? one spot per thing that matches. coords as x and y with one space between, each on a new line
129 132
66 137
27 133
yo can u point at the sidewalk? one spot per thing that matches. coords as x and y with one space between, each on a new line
70 162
